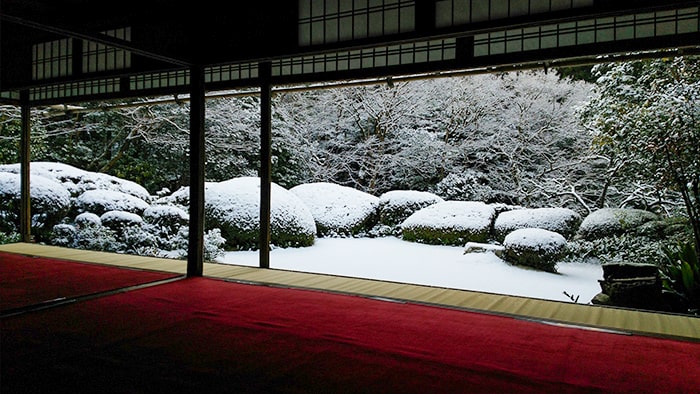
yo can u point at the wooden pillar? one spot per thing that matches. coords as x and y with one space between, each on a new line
25 215
264 70
195 252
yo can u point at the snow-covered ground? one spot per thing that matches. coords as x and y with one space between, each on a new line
396 260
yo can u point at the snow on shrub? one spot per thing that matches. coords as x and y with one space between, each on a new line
88 219
561 220
607 222
78 181
49 200
338 210
450 223
117 221
166 223
397 205
534 247
168 216
180 198
234 207
101 201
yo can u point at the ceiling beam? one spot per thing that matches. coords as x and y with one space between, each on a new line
98 38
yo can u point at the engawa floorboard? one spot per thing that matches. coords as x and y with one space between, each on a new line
588 316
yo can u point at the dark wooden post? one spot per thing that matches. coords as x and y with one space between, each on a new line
25 215
195 252
265 72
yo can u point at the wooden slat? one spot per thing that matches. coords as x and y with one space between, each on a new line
624 320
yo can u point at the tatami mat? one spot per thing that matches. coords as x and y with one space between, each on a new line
591 316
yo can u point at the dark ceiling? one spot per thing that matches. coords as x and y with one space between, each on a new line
315 39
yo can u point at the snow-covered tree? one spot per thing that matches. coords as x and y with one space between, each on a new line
645 117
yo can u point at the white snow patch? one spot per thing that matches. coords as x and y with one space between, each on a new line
395 260
335 207
452 215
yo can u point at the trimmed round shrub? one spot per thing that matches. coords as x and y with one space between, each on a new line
78 181
338 210
88 219
234 207
534 247
50 202
450 223
101 201
168 216
607 222
118 221
560 220
397 205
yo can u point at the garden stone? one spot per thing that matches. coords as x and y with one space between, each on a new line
630 285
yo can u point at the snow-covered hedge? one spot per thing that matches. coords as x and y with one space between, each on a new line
101 201
607 222
338 210
78 181
561 220
234 207
534 247
49 200
397 205
450 223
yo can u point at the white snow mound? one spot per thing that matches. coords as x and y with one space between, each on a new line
234 206
45 193
453 215
560 220
77 181
338 210
397 205
101 201
535 239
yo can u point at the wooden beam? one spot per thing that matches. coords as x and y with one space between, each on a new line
265 72
195 252
25 215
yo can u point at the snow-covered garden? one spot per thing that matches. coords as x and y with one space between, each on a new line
547 180
328 228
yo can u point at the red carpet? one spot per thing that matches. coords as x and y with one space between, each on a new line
203 334
26 281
